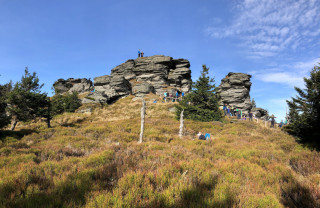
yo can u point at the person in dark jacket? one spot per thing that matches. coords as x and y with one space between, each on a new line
272 121
250 116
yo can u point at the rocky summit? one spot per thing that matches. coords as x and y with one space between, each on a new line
234 91
154 74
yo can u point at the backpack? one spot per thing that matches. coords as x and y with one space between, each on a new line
208 136
202 137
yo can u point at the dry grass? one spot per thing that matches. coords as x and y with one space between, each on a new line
93 160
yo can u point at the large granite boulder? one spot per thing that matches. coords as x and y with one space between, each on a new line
70 85
234 90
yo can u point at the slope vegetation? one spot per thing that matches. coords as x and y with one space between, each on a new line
93 160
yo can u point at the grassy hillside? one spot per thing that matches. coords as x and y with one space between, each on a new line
93 160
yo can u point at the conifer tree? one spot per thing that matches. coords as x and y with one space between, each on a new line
25 101
253 103
4 118
304 109
202 102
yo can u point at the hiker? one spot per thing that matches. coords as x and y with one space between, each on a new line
165 96
142 54
228 111
232 110
272 121
201 136
225 109
281 124
250 116
238 114
182 95
244 117
177 94
139 53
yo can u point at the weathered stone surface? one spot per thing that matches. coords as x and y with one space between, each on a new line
260 113
154 74
110 88
70 85
234 90
141 89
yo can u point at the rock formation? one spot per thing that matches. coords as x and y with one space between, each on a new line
260 113
70 85
154 74
234 90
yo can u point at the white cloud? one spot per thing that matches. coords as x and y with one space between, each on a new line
287 74
290 79
267 27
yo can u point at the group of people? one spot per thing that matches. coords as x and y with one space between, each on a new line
281 124
231 111
172 97
140 53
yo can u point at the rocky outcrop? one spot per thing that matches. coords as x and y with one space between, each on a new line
71 84
154 74
234 90
260 113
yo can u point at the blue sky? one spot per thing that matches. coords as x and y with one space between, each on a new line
276 41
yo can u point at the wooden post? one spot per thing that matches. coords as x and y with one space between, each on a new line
143 113
181 124
13 125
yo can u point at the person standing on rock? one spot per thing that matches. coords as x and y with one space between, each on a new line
142 54
139 53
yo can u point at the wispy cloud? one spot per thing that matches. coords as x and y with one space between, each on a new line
267 27
291 75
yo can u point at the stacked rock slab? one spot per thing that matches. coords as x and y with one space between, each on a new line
141 76
234 91
71 84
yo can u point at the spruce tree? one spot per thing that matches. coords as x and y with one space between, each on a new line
304 109
202 102
25 101
65 103
4 118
